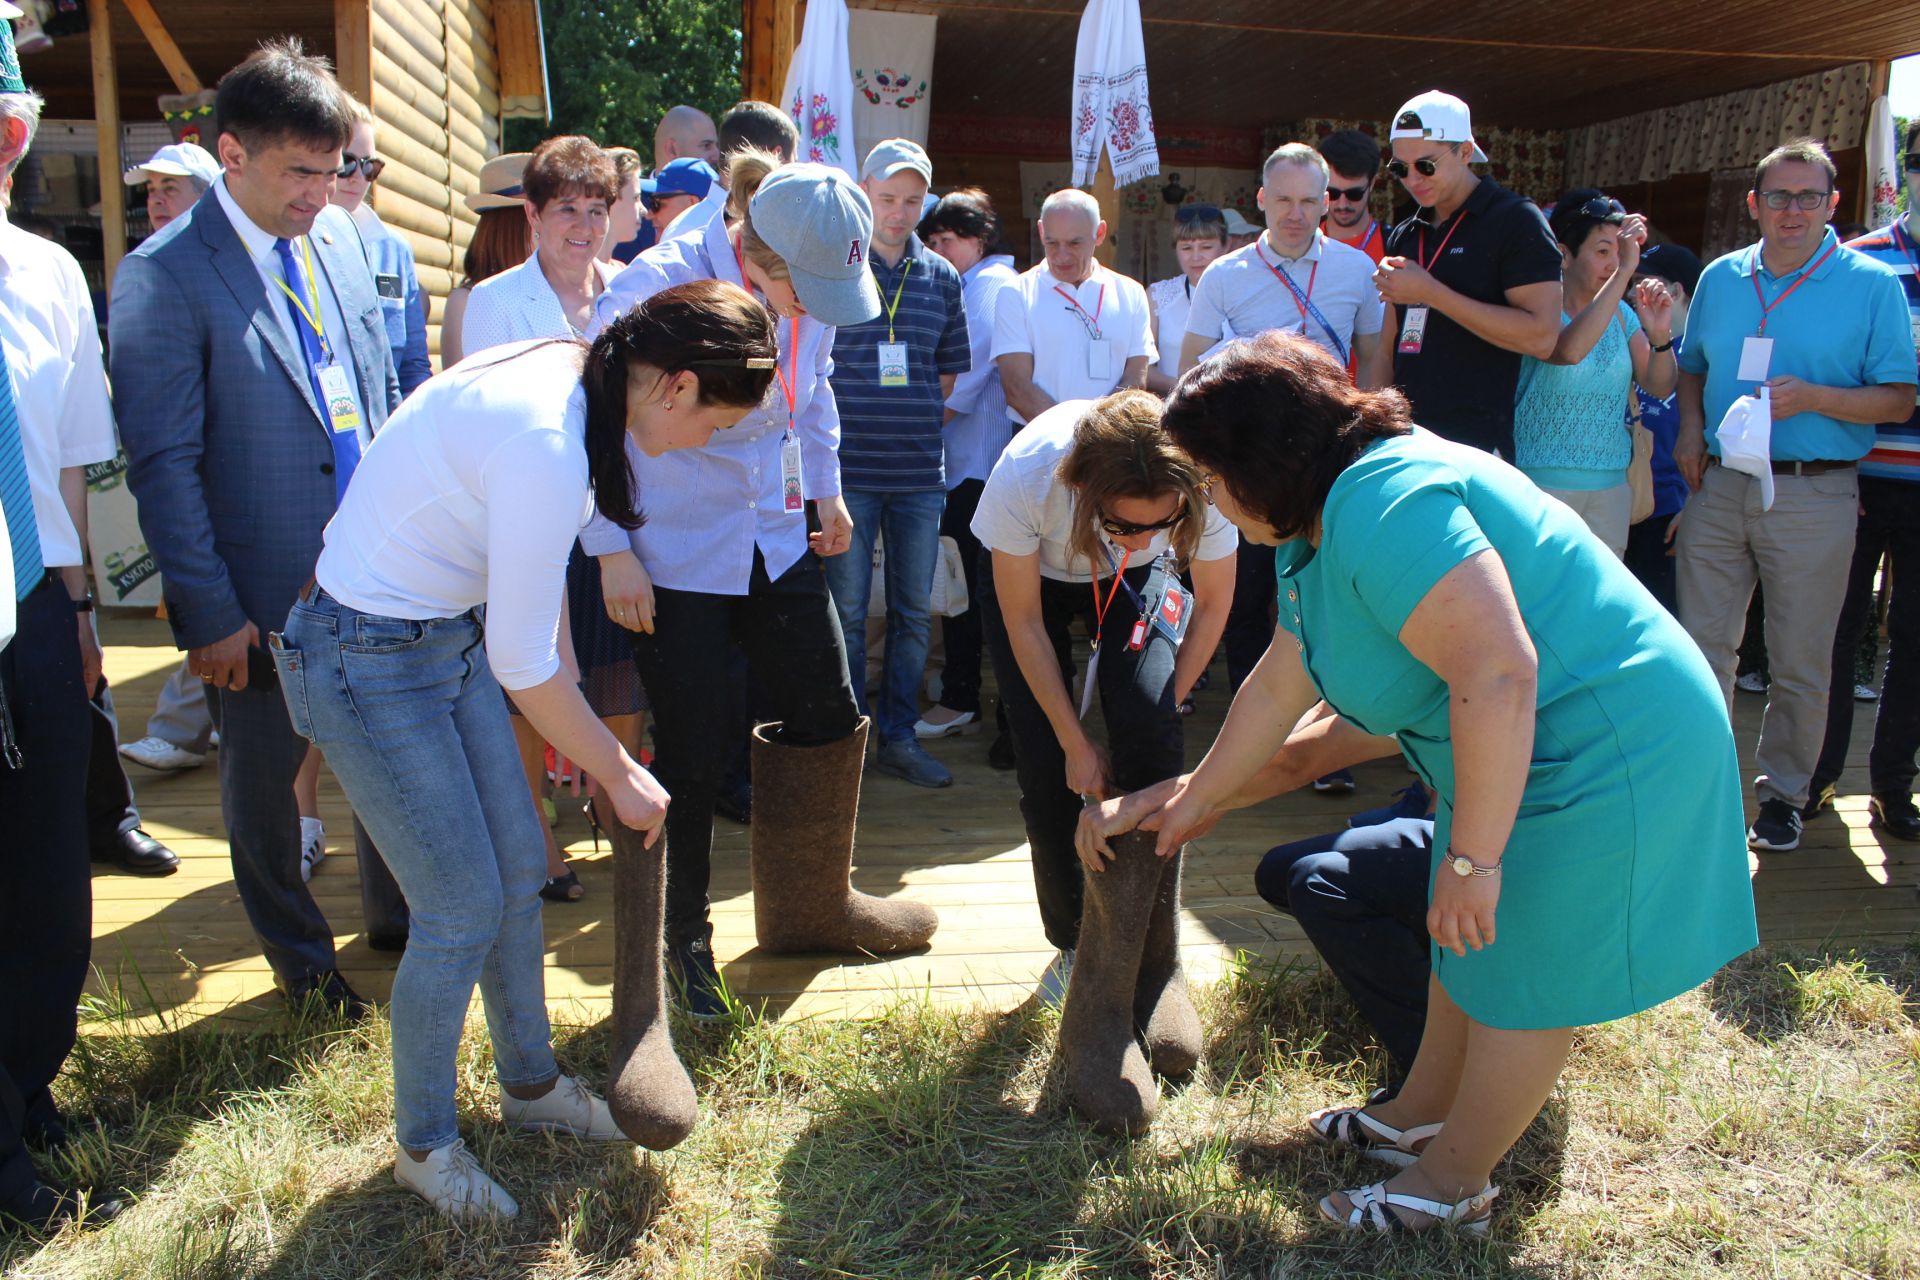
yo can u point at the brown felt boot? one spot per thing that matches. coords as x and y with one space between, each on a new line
804 803
648 1089
1107 1072
1162 1007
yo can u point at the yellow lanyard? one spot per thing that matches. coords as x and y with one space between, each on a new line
897 291
309 310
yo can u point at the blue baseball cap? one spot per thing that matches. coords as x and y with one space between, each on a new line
687 176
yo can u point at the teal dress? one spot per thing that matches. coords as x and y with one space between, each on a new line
1625 881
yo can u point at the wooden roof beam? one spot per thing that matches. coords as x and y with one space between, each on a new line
184 80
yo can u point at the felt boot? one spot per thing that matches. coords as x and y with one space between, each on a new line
1107 1072
804 803
647 1087
1162 1007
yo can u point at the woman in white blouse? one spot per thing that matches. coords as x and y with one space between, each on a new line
1199 236
441 583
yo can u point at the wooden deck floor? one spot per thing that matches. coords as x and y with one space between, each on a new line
179 947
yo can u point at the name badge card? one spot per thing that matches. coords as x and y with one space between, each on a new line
1099 358
341 411
1413 331
893 364
791 497
1756 357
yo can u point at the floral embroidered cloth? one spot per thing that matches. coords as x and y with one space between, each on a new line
1110 95
819 91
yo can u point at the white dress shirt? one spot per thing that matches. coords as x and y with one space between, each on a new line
708 509
472 494
519 304
59 382
979 429
1033 315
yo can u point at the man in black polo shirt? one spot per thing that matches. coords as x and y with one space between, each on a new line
1472 280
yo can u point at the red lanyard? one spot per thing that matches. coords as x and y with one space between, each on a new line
1293 290
1100 609
1766 308
790 380
1100 304
1426 263
1905 241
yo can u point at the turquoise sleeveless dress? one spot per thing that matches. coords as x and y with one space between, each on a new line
1625 881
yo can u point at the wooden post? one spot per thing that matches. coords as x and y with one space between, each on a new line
1105 193
769 28
106 119
353 48
184 81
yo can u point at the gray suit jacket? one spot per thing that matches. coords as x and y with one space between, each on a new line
228 453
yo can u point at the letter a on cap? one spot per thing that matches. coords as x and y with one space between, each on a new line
854 256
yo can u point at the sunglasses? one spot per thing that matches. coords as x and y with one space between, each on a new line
649 202
369 166
1425 166
1913 162
1198 213
1807 200
1603 208
1124 529
1354 195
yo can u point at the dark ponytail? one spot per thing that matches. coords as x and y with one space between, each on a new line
715 330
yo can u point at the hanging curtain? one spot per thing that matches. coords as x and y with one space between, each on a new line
892 76
819 90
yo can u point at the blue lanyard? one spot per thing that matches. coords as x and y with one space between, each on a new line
1306 302
1139 601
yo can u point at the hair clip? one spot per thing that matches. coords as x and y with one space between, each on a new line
762 362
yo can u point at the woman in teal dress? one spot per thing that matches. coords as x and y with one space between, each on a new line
1590 855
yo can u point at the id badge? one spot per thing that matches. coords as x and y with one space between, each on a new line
893 364
388 285
790 495
1099 358
341 411
1170 618
1090 682
1756 360
1413 331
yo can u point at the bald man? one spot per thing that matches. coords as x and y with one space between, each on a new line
685 131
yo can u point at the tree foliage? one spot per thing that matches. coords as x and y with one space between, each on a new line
615 66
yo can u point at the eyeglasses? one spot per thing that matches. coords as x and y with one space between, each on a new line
1913 162
1124 529
1806 200
370 166
1198 213
1425 166
1354 195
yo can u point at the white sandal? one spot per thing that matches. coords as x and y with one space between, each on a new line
1373 1210
1353 1128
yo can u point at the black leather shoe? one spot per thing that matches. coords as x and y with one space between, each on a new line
1819 796
387 941
44 1209
139 853
1000 754
331 990
1895 815
42 1124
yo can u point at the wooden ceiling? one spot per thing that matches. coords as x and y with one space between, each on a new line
1516 62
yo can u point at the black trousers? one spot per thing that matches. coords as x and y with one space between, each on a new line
960 678
46 891
110 808
1647 560
790 634
1890 524
1360 896
1250 616
1145 741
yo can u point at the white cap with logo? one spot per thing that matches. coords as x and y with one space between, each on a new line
814 216
1437 117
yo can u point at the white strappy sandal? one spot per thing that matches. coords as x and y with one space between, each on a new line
1373 1210
1353 1128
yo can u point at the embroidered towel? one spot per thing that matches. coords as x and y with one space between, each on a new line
819 91
892 76
1110 95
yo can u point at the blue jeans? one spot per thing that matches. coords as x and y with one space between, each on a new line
415 728
910 524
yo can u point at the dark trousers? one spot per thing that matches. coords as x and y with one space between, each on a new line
960 677
1250 616
46 897
110 808
790 634
1647 560
1145 743
1890 524
1360 896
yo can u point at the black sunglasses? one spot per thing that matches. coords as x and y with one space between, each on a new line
1124 529
650 203
1604 208
1426 166
1913 161
371 166
1198 213
1354 194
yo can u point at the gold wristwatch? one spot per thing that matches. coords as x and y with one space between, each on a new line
1463 866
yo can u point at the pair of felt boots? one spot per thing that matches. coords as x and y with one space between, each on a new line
804 803
1129 1015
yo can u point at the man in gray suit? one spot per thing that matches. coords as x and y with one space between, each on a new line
249 335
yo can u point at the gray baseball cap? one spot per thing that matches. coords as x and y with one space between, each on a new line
814 216
890 157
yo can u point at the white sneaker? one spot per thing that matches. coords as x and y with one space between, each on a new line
1752 682
568 1107
453 1182
213 740
160 755
1865 693
313 846
952 722
1053 983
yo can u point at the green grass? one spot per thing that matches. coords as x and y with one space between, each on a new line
1767 1125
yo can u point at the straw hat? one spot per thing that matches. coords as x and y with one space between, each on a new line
500 182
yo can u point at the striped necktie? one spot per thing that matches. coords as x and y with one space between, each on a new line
16 493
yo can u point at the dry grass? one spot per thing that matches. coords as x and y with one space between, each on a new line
1768 1125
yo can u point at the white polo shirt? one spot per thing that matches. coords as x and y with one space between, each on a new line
1239 295
1060 326
59 382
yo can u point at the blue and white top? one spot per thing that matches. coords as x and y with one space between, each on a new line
709 509
1896 445
397 281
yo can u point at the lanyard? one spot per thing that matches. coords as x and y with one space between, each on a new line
310 309
1304 301
897 291
1426 263
1119 581
1766 308
1100 304
1905 241
790 380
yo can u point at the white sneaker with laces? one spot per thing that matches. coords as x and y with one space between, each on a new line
1865 693
453 1182
160 755
1053 983
313 846
568 1107
1752 682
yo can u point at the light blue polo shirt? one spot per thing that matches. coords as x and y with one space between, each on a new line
1847 326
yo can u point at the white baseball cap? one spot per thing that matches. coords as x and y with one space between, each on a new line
179 160
891 156
1437 117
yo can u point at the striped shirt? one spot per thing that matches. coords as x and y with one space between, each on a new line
890 438
1896 445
